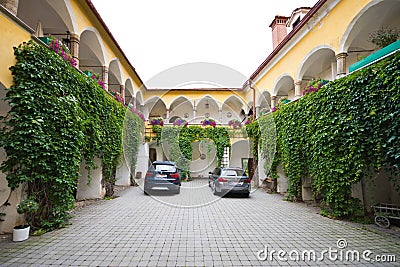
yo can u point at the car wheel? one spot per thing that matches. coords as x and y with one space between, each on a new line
209 184
145 192
178 190
247 194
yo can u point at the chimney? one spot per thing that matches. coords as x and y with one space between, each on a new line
279 30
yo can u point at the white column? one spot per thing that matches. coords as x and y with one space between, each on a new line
297 89
257 111
104 76
194 112
341 64
122 91
75 40
273 101
220 115
334 70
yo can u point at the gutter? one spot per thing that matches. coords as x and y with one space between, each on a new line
288 37
96 13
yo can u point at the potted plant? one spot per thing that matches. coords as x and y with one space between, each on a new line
26 207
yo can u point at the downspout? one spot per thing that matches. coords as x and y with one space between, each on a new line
255 163
254 100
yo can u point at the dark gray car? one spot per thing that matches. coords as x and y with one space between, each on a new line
229 180
163 176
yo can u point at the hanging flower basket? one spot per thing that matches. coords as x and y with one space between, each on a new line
208 122
180 122
235 124
157 121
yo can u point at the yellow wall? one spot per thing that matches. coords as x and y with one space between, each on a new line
169 96
85 18
328 31
11 36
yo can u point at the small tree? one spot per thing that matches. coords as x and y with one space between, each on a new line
384 36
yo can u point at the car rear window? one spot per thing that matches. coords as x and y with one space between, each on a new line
233 173
165 168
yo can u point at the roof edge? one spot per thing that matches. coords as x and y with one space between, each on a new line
97 14
306 18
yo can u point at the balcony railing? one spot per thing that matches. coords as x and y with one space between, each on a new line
378 55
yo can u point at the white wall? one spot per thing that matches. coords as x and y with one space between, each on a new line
143 159
122 174
90 188
282 181
379 190
200 167
239 150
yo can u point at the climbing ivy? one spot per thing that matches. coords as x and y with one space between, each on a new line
59 117
345 131
179 140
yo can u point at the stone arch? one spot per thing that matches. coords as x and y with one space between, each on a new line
232 109
375 15
139 101
181 107
264 102
284 87
320 62
129 91
92 54
202 110
55 17
115 76
155 107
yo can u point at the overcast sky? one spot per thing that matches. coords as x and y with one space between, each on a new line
160 34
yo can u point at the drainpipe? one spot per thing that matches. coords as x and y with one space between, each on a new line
255 163
254 100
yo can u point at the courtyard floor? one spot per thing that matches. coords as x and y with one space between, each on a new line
196 228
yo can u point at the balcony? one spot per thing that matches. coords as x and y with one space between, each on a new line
384 52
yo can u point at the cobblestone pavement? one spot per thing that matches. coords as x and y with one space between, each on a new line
196 228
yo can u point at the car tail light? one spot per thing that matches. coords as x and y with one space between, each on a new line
248 180
174 175
220 179
148 175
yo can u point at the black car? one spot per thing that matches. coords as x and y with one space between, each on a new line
229 180
162 176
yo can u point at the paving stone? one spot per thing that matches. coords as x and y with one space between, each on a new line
195 228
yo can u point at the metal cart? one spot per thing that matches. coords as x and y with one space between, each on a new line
383 212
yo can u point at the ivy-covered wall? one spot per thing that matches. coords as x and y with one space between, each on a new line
347 130
180 141
58 118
